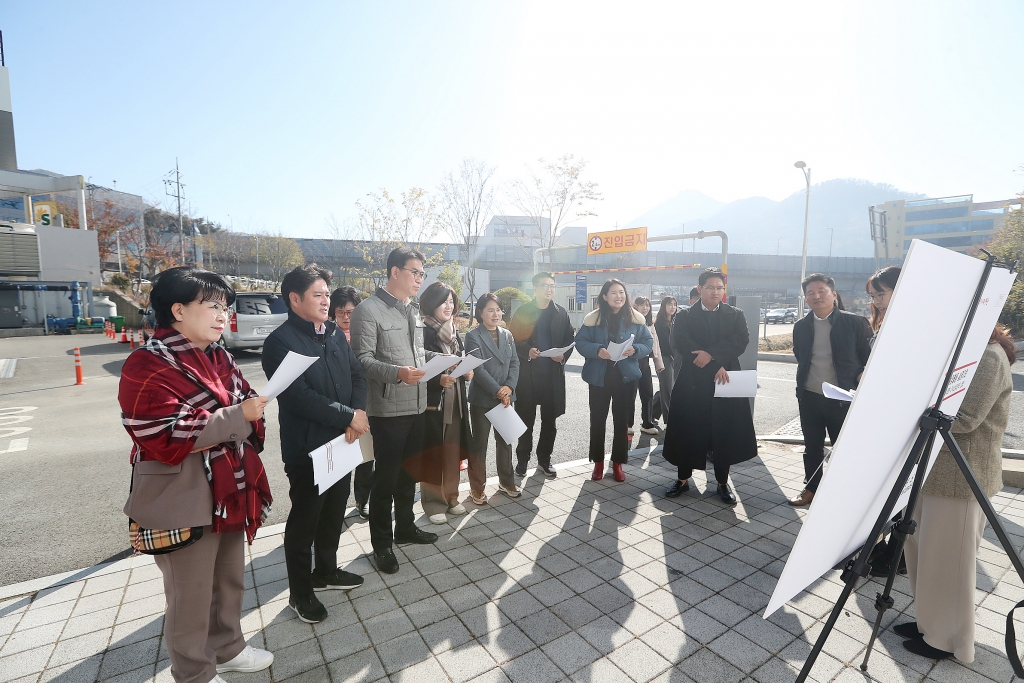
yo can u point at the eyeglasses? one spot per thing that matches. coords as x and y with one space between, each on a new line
546 286
708 288
218 309
417 275
345 314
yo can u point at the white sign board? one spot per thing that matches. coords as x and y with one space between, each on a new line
903 377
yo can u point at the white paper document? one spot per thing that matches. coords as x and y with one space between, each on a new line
334 460
293 365
507 422
551 353
741 384
436 365
834 392
468 364
616 350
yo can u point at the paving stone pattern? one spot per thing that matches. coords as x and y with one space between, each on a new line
575 581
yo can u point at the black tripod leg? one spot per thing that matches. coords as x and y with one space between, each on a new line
859 567
1004 540
906 526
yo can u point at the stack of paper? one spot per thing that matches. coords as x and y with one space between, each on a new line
551 353
616 351
334 460
288 371
741 384
506 422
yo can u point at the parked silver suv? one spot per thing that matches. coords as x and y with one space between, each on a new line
254 316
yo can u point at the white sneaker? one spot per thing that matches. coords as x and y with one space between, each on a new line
217 679
510 491
439 519
457 509
249 660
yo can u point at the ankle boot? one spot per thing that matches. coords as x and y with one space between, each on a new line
617 472
598 474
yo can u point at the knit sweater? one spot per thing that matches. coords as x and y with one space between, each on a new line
978 430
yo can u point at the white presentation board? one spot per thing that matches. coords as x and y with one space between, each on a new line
904 374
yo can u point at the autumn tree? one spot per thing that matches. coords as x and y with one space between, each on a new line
1007 245
552 199
107 217
465 201
384 223
279 254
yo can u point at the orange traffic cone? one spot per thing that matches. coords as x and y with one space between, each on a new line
78 367
131 340
124 336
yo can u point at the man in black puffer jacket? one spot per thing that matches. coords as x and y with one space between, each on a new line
831 346
326 401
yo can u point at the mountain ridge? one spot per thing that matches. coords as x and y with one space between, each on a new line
762 225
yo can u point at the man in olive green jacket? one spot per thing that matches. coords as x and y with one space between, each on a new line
387 337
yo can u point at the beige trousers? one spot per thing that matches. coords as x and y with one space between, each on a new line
203 584
942 563
437 499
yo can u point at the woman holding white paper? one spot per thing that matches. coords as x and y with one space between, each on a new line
446 428
614 383
494 383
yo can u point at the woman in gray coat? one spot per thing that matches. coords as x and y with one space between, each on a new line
942 554
494 382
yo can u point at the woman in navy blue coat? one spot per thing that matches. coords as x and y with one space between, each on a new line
610 382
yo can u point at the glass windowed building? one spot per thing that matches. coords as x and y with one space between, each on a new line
957 223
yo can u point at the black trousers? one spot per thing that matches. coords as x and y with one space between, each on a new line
527 411
646 388
314 520
721 473
394 440
817 416
622 397
363 483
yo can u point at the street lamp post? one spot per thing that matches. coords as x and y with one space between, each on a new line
807 208
828 263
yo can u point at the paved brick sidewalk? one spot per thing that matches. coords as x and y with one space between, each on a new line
577 580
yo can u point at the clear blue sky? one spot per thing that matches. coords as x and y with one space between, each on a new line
282 114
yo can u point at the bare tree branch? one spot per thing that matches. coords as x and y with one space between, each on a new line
465 203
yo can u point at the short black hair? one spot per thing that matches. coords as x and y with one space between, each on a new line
183 285
818 277
481 303
709 273
300 279
694 293
342 296
402 255
542 276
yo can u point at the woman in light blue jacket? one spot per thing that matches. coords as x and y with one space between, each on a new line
610 382
494 383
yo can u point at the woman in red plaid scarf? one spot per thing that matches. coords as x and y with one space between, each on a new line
197 479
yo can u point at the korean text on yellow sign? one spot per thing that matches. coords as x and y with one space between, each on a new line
616 241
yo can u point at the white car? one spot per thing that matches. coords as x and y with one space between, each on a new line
254 315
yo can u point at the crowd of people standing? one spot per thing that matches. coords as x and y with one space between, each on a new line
191 414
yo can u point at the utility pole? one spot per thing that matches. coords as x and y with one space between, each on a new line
176 185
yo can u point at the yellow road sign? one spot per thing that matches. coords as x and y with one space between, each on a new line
616 241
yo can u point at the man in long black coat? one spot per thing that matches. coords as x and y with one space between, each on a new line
710 336
540 325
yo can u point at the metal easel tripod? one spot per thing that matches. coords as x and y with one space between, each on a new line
933 423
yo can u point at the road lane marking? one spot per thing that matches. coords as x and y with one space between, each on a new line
7 366
16 445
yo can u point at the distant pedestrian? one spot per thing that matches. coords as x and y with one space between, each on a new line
343 301
446 423
327 401
694 295
495 382
830 346
613 383
540 325
198 486
646 384
667 377
710 335
942 556
387 336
